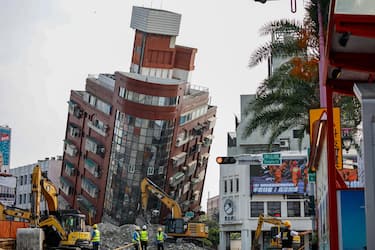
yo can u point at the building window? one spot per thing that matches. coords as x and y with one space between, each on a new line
225 187
231 185
294 208
297 133
21 180
150 171
257 208
274 208
131 169
237 185
25 180
122 92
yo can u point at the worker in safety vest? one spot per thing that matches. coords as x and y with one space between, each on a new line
144 237
160 237
136 239
95 237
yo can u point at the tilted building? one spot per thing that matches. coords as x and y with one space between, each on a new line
149 122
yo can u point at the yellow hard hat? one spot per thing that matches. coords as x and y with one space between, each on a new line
287 223
160 229
95 226
137 228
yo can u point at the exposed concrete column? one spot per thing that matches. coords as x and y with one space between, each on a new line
29 239
245 239
224 241
365 93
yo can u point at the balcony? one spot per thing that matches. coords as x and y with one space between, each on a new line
74 109
211 122
179 159
203 158
207 140
176 179
95 147
98 127
66 186
70 148
73 130
194 182
92 167
190 168
69 169
86 205
90 187
181 141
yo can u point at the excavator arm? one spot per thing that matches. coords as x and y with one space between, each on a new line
148 186
14 212
263 218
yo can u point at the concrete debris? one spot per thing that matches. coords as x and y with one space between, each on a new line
113 237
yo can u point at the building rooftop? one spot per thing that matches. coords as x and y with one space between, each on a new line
155 21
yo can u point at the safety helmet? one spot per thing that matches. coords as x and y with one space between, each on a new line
137 228
144 227
95 226
287 223
160 229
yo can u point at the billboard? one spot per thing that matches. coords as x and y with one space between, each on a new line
4 147
288 177
8 189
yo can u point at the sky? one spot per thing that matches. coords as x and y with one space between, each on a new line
48 48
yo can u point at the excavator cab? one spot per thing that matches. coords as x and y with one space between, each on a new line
72 222
175 226
74 225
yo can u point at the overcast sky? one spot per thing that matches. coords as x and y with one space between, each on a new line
48 48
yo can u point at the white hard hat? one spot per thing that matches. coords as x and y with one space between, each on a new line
144 227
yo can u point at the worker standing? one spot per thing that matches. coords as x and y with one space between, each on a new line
95 237
136 239
144 237
160 237
286 236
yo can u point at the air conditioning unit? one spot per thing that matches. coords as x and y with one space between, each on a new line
178 142
284 143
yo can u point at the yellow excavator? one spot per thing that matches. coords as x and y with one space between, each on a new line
275 242
176 226
63 229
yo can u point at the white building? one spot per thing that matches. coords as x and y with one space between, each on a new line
51 167
248 189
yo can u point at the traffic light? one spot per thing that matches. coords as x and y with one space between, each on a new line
225 160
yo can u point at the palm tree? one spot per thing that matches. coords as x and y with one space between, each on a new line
284 99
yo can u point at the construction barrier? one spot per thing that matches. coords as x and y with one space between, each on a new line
8 229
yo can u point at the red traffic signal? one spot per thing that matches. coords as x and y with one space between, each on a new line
225 160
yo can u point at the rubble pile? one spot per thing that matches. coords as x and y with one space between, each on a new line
113 237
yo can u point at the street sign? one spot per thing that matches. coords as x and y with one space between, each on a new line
312 177
271 159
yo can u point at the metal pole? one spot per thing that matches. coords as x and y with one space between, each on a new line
332 195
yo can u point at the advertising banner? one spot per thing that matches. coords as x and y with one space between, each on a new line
8 190
5 146
289 177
